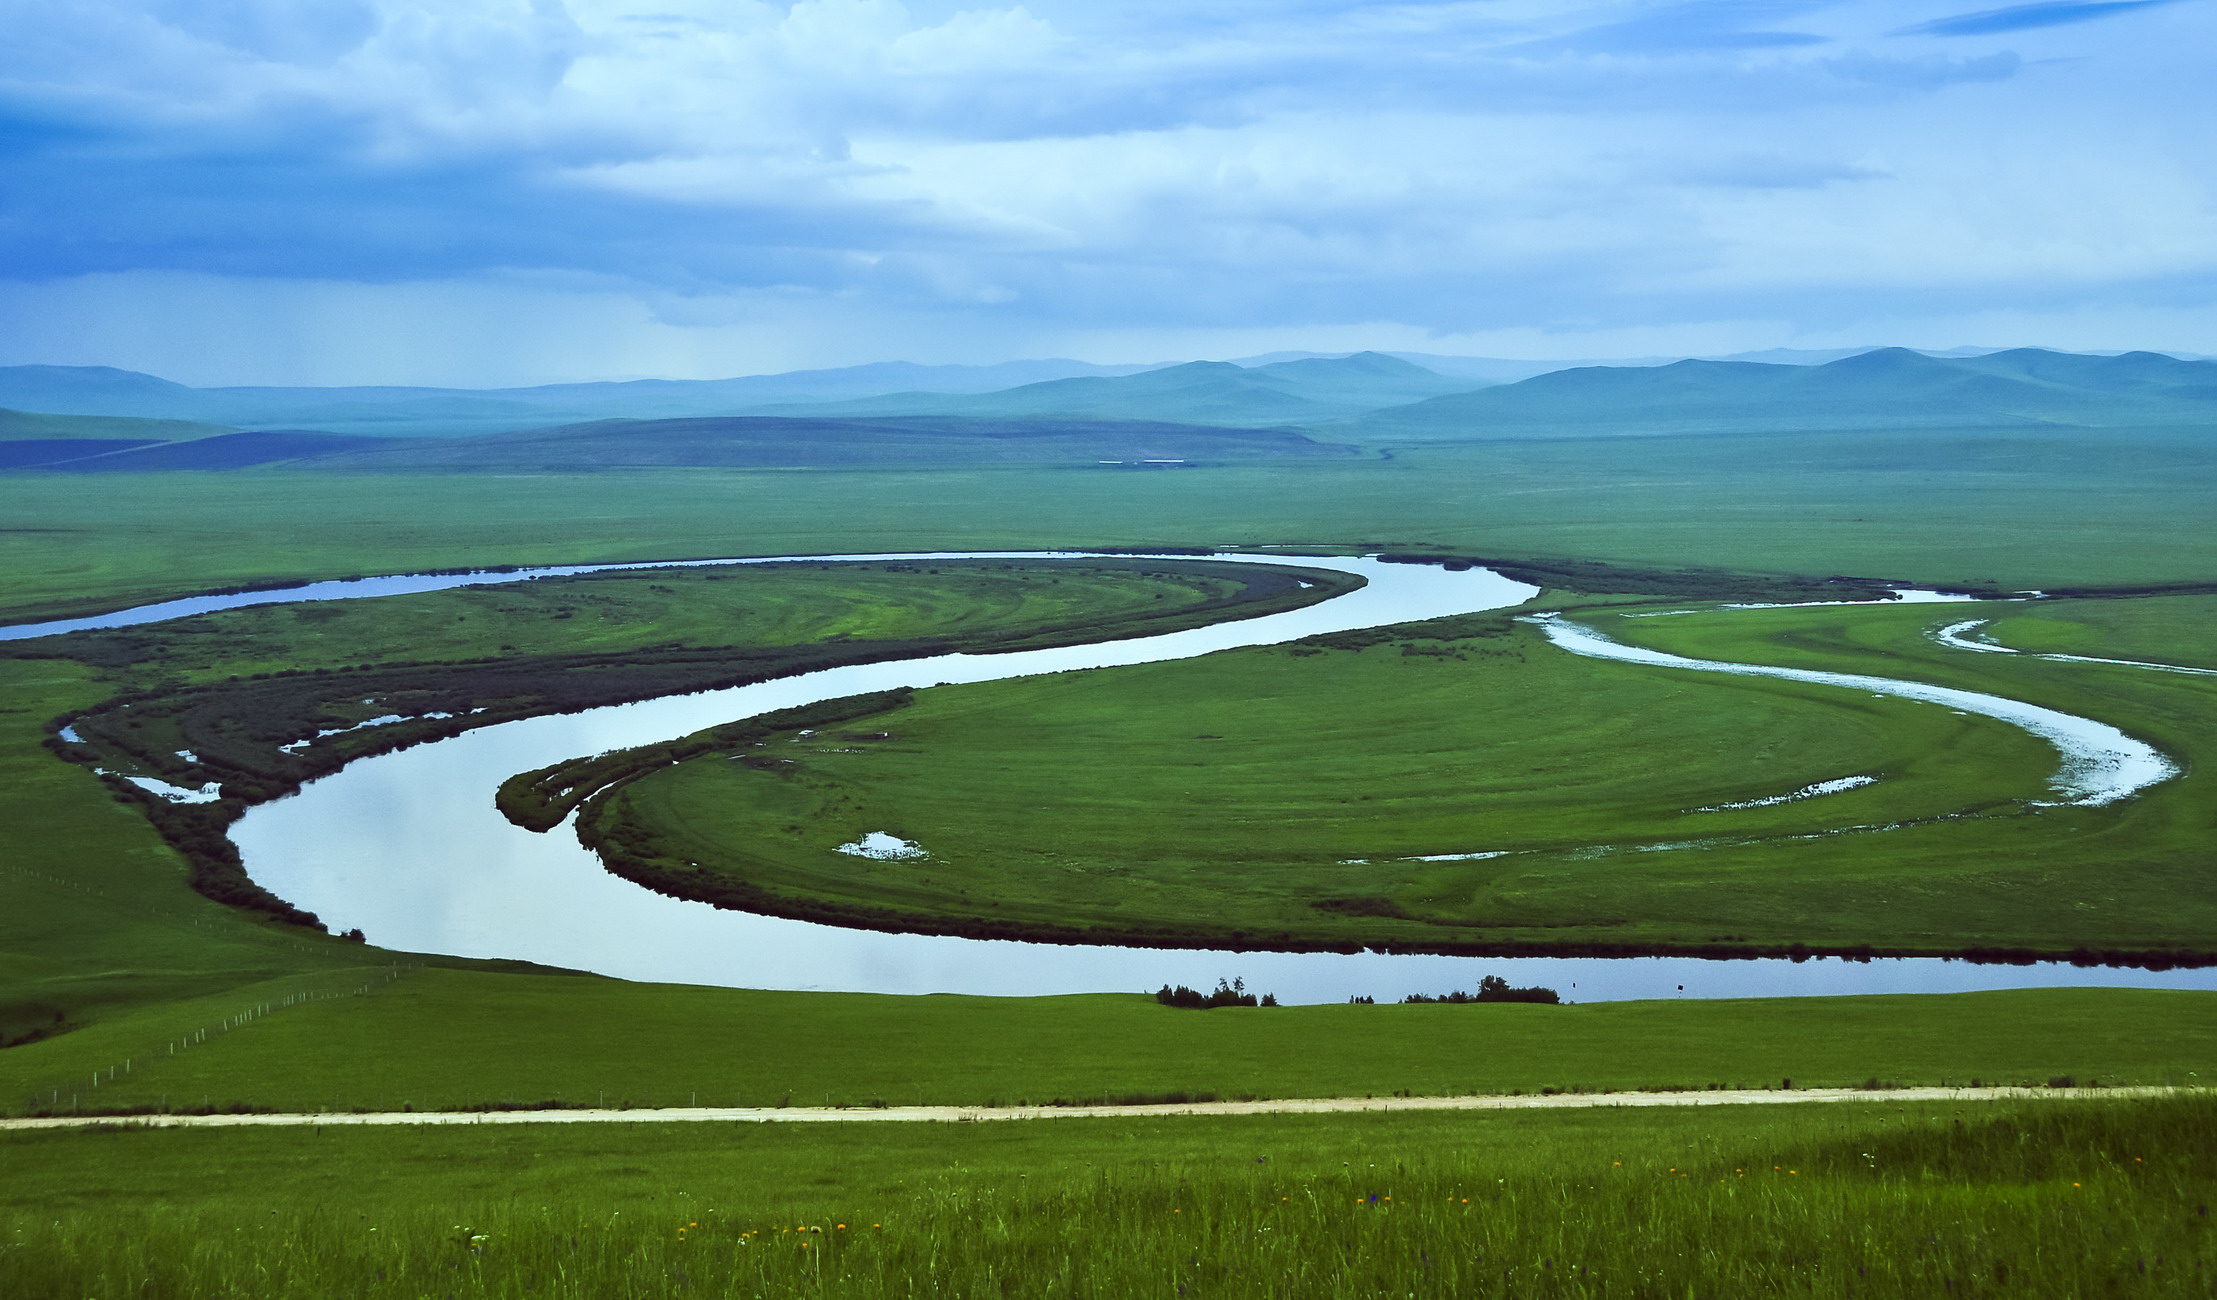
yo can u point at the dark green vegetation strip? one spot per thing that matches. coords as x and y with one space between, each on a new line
445 1039
1464 786
2020 510
186 715
2057 1199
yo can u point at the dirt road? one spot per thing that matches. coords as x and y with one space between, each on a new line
980 1114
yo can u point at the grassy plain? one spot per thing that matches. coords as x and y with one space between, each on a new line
1293 790
99 934
445 1039
2019 509
1296 793
2160 629
609 613
95 909
2044 1199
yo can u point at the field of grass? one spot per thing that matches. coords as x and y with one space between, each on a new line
447 1039
108 959
2054 1198
609 613
1294 794
2161 629
2021 510
96 910
1291 790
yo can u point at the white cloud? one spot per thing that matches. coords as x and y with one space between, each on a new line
897 179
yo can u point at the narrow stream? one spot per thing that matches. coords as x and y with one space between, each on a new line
2101 764
408 847
1966 636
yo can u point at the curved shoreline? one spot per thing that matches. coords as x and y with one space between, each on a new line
372 874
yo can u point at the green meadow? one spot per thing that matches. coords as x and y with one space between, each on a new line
2022 509
2161 629
2056 1198
630 611
95 908
1465 784
1234 788
447 1039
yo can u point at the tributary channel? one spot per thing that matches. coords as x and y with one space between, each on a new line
408 847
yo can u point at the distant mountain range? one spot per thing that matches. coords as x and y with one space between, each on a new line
1202 411
736 442
773 442
1890 388
102 390
1308 391
1294 387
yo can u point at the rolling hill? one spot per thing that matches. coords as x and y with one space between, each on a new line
1890 388
29 440
766 442
416 412
1306 391
227 450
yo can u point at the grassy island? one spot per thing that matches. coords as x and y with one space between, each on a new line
1465 785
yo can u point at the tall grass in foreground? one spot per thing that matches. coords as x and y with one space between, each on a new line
2077 1199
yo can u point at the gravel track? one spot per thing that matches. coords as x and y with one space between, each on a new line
980 1114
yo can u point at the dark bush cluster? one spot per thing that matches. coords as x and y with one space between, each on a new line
1491 988
1232 994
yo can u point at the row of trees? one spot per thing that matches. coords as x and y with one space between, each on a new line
1233 994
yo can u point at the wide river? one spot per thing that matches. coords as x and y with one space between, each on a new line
408 847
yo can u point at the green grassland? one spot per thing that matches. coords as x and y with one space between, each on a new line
441 1038
2023 510
108 958
1288 795
96 914
96 910
2161 629
102 929
606 613
2056 1198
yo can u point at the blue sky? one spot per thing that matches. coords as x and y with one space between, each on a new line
513 191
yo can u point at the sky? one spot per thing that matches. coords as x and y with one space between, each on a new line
492 192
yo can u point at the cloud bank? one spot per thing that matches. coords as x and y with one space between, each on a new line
508 190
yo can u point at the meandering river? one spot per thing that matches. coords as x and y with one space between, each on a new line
408 847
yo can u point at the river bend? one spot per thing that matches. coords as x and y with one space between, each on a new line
408 847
